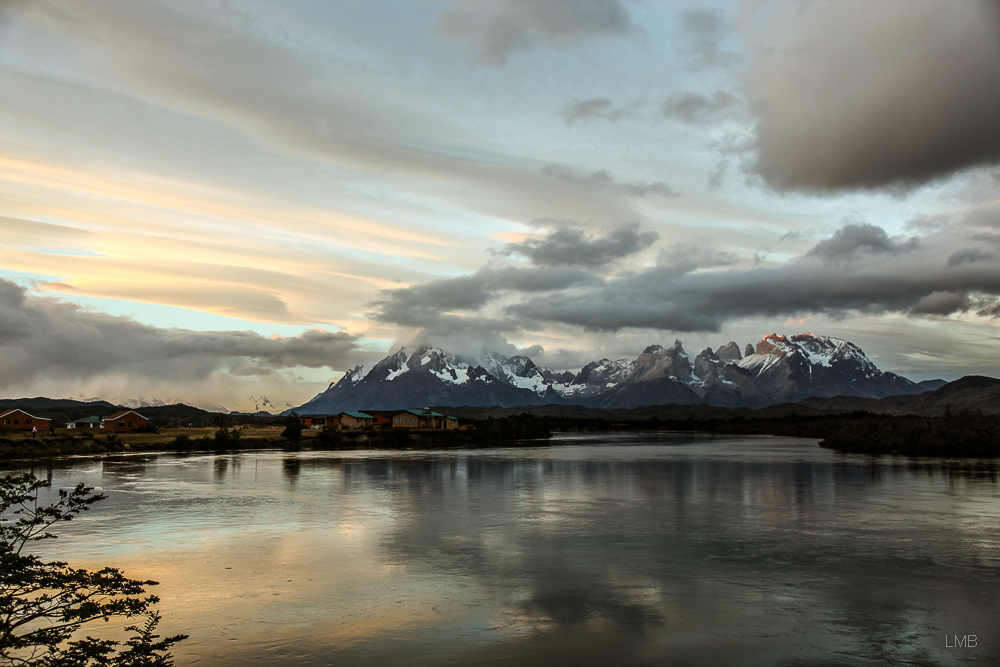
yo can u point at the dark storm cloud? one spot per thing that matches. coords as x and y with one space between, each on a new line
697 109
502 28
861 95
858 238
942 303
605 181
568 245
967 255
45 337
859 269
597 107
702 31
426 305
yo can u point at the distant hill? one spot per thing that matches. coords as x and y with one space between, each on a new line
972 393
66 409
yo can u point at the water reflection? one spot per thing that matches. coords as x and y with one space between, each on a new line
644 550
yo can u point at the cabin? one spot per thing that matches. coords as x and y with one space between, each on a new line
124 421
86 422
355 420
419 419
320 421
381 418
22 421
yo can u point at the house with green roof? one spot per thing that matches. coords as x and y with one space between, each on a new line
86 422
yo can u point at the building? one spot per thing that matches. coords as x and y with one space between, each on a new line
381 418
22 421
320 421
355 419
86 422
419 419
124 421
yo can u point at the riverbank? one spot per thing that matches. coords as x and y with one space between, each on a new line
961 434
485 433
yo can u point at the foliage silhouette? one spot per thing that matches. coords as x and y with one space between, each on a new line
42 604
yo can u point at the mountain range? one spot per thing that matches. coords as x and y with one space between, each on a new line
779 369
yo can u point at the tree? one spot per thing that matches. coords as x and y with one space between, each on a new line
42 604
293 427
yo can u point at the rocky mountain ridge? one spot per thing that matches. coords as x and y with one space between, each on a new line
779 369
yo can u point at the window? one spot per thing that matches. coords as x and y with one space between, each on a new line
409 420
6 421
397 420
27 421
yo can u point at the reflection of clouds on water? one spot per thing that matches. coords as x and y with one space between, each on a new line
702 551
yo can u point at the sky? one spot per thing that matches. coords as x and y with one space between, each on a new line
218 201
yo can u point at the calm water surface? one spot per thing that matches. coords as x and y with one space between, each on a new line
638 549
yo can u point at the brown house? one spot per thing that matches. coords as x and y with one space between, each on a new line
320 421
381 418
419 419
21 420
355 419
123 422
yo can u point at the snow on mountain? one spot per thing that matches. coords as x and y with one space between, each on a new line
779 369
418 378
790 368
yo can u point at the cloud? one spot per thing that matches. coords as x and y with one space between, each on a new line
596 107
859 95
858 270
695 109
967 255
856 238
702 33
504 27
686 257
567 244
49 339
603 180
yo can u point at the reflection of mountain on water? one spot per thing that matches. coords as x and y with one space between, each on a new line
624 549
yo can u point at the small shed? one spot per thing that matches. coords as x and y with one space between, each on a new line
124 421
20 420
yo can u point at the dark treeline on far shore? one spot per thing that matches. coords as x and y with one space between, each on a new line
958 434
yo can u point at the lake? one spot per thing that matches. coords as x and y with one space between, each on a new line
617 549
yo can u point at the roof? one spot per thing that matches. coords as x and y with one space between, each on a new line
358 415
119 415
87 420
317 416
422 413
22 412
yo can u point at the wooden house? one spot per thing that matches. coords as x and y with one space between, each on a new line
418 419
22 421
380 418
124 421
320 421
86 422
355 420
